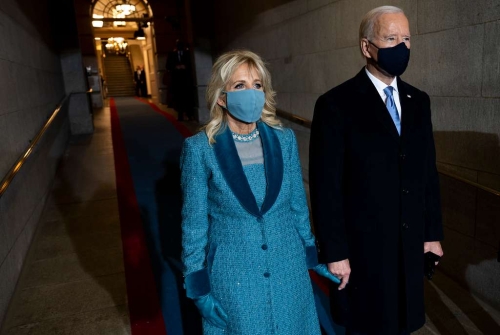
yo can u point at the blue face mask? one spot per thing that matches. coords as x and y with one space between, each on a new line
245 105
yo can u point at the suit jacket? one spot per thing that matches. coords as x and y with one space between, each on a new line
249 226
375 200
140 79
180 76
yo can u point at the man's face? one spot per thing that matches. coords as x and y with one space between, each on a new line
388 31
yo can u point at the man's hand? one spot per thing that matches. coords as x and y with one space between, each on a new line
341 270
434 247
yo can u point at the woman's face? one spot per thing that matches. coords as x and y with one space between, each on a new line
244 78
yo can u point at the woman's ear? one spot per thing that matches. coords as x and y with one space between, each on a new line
221 102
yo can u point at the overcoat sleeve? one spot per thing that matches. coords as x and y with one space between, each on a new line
299 206
433 221
195 225
326 159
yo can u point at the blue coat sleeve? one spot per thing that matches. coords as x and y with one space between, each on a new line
195 225
299 206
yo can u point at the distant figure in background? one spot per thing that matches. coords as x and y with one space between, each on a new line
179 70
144 86
140 81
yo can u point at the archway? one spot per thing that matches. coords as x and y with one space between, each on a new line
123 32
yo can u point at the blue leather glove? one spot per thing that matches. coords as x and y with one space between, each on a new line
322 270
197 285
211 310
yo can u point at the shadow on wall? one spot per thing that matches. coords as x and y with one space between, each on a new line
471 218
469 149
237 15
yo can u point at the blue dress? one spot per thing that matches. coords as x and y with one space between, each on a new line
249 226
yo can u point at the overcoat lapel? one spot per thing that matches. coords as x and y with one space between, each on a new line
374 104
232 170
408 107
273 164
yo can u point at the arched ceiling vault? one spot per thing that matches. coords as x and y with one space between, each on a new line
117 20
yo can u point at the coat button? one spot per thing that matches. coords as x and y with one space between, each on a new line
264 247
260 220
267 274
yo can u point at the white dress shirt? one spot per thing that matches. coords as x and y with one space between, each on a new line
380 85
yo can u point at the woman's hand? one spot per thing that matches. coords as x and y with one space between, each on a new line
322 270
211 310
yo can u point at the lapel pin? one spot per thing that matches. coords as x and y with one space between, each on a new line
409 96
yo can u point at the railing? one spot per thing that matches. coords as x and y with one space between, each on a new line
14 170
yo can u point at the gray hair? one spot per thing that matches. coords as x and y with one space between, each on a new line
367 24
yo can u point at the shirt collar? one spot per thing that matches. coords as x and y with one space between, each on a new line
379 84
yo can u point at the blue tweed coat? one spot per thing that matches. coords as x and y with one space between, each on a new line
249 227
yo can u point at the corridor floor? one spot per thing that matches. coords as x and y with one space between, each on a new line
73 279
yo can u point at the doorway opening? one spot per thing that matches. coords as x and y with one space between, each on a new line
125 47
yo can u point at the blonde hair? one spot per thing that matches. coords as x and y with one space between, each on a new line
368 23
222 71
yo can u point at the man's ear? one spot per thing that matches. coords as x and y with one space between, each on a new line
221 102
364 48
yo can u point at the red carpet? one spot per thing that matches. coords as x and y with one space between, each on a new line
143 304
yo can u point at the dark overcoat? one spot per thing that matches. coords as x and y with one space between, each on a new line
375 201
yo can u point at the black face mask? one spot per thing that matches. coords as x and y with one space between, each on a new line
393 60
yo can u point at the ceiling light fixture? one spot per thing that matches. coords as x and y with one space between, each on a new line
97 23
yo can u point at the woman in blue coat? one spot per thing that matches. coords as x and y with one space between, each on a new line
246 237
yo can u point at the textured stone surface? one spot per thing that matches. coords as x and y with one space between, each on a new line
458 203
468 262
491 69
7 88
434 15
282 13
47 302
109 321
314 4
79 114
467 132
488 214
348 15
442 66
490 180
313 32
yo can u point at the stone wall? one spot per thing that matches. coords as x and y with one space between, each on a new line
312 45
31 86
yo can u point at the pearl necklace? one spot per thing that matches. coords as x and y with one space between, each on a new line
247 137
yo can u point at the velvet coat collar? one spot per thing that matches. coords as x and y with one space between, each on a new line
232 169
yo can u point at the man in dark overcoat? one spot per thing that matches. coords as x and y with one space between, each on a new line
140 82
374 185
179 69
